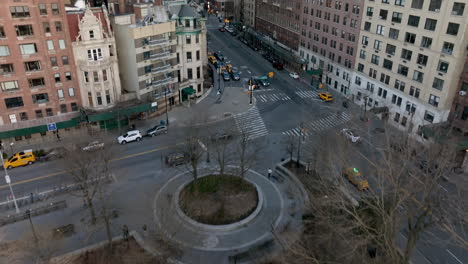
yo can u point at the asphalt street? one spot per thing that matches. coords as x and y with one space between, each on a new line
280 109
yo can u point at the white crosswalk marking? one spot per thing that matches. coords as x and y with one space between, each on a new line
264 98
319 125
307 93
251 123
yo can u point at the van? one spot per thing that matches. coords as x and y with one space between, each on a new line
22 158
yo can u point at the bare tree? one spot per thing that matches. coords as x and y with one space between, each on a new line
290 145
220 143
247 152
194 148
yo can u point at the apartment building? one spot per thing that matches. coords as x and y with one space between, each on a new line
37 74
459 113
329 40
410 56
248 12
95 57
279 20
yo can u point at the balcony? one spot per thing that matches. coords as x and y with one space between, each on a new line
164 81
161 69
182 29
158 42
160 56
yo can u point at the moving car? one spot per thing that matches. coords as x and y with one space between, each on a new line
212 59
226 76
235 75
22 158
350 135
278 66
95 145
132 135
177 158
354 176
157 130
264 82
326 97
294 75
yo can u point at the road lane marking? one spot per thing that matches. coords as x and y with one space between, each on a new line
112 160
455 257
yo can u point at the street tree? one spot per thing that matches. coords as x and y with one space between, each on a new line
220 143
194 148
246 151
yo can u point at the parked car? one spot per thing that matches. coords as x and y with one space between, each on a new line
226 76
22 158
229 29
243 40
233 33
177 158
219 56
132 135
326 97
157 130
350 135
235 75
294 75
278 66
222 29
264 82
220 64
212 59
95 145
355 177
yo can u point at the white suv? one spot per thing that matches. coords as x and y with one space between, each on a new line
130 136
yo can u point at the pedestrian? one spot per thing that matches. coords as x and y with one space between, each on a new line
269 173
145 230
125 232
58 136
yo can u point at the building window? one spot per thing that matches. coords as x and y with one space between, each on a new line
108 98
36 82
406 54
95 54
377 45
438 84
71 92
414 91
4 51
360 67
417 4
198 55
418 76
357 80
27 49
397 117
197 39
62 44
14 102
57 78
189 56
58 26
434 100
95 76
65 60
42 10
50 44
400 85
434 5
367 26
147 69
400 2
19 11
40 98
32 65
63 108
6 68
55 8
198 73
49 112
426 42
428 116
410 37
23 116
413 21
99 98
91 34
9 86
362 54
188 39
370 11
24 30
422 60
443 66
375 59
2 32
452 29
387 64
86 76
404 119
403 70
189 74
68 76
380 30
53 62
90 98
104 75
74 107
46 26
60 93
458 9
383 14
390 49
447 48
396 17
38 113
430 24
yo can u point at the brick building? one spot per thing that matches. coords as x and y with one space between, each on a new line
37 74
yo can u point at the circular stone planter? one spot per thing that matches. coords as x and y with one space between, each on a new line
227 227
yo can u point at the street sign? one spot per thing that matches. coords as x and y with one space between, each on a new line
7 179
52 127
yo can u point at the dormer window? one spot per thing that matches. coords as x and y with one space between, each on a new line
91 34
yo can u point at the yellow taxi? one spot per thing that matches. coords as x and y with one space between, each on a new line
229 68
326 97
22 158
212 59
355 177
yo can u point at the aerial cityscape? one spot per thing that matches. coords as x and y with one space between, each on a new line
234 131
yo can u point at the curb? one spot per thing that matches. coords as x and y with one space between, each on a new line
204 95
280 167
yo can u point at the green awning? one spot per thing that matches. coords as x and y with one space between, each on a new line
38 129
120 112
315 72
188 91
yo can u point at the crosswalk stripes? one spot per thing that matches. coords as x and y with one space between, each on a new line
319 125
251 123
264 98
306 93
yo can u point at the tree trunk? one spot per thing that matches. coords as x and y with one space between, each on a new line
91 210
108 231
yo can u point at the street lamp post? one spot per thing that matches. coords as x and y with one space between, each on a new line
8 181
167 115
251 91
301 127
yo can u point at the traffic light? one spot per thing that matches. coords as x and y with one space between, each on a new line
320 86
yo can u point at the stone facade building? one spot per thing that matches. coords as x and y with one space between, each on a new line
459 113
95 57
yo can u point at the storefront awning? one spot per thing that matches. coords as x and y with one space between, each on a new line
120 112
188 91
315 72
